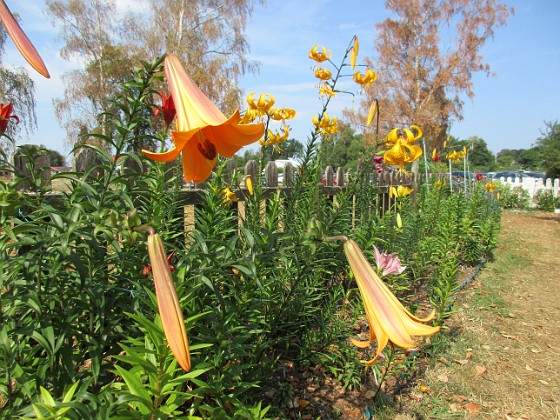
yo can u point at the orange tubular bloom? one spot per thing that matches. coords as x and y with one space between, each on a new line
203 131
388 319
23 43
168 302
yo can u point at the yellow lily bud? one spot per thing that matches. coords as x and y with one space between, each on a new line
354 53
249 184
372 112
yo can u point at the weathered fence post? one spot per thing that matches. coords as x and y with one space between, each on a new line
271 175
289 175
41 167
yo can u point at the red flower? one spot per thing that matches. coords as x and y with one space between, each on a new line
5 115
479 176
167 107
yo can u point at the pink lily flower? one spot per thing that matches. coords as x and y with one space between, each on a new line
389 263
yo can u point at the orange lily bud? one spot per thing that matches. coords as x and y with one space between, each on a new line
168 303
21 41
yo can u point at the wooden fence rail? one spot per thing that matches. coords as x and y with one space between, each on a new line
333 182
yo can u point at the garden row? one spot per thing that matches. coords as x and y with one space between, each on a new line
264 295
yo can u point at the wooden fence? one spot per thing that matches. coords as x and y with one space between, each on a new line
333 182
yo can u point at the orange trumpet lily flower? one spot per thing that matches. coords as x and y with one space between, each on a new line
202 131
388 319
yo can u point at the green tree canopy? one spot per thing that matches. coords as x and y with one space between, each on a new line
549 149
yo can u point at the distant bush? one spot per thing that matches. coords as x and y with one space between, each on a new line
513 198
546 201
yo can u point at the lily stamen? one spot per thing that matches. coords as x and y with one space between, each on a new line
207 149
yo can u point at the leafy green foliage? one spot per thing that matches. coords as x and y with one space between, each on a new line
261 292
546 200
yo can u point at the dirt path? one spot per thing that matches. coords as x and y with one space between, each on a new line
504 363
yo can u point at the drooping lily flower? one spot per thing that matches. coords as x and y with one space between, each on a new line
5 115
322 73
275 138
326 90
282 114
319 56
491 187
326 125
202 131
365 79
167 109
440 183
388 319
229 195
399 191
402 149
263 104
388 263
168 302
21 41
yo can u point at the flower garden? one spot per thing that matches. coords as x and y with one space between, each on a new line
110 308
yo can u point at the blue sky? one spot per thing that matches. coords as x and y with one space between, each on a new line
508 111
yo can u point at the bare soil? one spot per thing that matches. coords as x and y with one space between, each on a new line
502 358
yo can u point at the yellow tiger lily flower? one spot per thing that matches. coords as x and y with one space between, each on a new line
388 319
403 134
326 90
366 79
21 41
400 191
229 195
327 125
402 149
319 56
323 74
203 131
491 187
261 105
282 114
275 138
168 302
